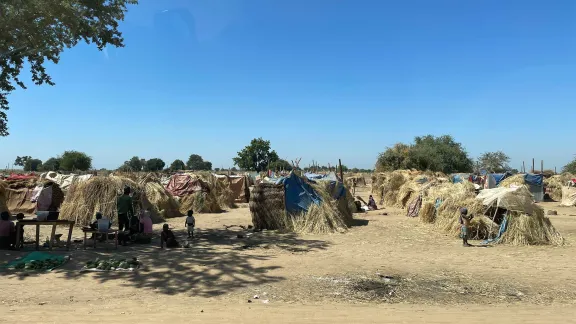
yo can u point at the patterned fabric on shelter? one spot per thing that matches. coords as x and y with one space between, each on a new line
184 184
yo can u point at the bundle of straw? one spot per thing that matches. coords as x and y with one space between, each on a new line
161 199
515 180
427 213
535 229
555 183
200 202
268 208
448 218
3 197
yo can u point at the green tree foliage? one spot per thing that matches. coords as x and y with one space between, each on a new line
426 153
177 165
257 156
52 164
154 164
134 164
280 164
494 161
36 31
74 160
570 167
197 163
21 160
32 165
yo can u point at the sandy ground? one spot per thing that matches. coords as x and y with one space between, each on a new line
387 268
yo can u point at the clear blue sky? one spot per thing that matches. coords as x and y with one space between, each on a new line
320 79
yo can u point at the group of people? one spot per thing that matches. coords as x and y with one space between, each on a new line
131 227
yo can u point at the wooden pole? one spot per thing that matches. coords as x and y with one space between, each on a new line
555 171
532 165
523 167
341 172
542 166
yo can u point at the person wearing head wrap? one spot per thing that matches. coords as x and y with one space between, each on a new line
125 210
465 223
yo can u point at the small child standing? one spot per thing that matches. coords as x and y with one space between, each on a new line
465 223
190 223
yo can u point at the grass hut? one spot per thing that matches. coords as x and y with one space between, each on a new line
301 206
100 194
159 197
193 193
555 183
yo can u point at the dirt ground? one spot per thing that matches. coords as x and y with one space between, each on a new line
385 268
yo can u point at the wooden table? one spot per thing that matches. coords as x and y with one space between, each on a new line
20 228
105 233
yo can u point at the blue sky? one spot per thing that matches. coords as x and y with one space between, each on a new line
321 79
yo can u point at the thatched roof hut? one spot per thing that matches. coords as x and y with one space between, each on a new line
193 193
100 193
159 197
297 204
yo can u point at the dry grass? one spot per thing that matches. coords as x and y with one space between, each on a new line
162 200
515 180
100 194
535 229
555 183
3 197
448 218
427 213
220 189
200 202
268 208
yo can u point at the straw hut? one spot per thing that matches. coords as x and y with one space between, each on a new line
100 194
159 197
296 204
193 194
555 183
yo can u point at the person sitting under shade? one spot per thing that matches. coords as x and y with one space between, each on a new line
167 237
372 203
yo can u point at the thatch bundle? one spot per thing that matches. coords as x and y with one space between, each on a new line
535 229
21 183
161 199
554 185
515 180
100 194
200 202
3 197
268 207
219 189
390 189
448 218
343 207
427 213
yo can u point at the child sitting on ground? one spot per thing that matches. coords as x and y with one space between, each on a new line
7 231
167 237
190 223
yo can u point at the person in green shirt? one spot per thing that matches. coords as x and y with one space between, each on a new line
125 210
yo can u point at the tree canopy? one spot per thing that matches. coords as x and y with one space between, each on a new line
426 153
37 31
570 167
494 161
197 163
52 164
21 160
257 156
155 164
280 164
74 160
33 165
177 165
134 164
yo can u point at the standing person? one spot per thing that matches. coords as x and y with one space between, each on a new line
465 223
190 223
146 222
125 210
353 186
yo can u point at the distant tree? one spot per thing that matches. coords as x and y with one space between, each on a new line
134 164
427 153
570 167
32 165
216 169
494 161
177 165
155 164
197 163
52 164
280 164
257 156
35 32
393 158
21 160
74 160
233 169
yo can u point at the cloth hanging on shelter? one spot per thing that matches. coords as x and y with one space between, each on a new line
414 207
44 200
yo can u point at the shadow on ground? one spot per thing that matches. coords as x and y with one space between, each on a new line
218 262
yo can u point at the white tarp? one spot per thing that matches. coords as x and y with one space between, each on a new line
64 180
514 199
568 196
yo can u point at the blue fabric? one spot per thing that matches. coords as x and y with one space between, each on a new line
534 179
331 176
501 231
456 179
313 176
298 194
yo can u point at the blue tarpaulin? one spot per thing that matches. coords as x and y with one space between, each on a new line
298 194
534 179
500 176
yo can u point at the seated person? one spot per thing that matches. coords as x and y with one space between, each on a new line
102 224
372 203
168 238
7 231
146 223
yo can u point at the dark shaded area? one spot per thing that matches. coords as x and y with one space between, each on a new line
216 263
359 222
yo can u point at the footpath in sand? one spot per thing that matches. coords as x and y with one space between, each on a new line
385 269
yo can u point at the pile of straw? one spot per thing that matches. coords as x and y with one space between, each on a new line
268 207
3 197
555 183
220 190
161 199
200 202
100 194
342 208
427 213
448 219
515 180
535 229
390 189
22 183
